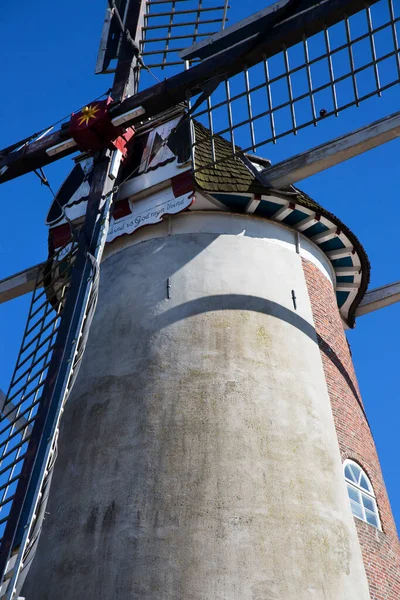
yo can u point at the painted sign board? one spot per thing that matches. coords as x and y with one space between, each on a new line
149 211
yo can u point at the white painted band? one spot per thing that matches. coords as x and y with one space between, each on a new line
227 224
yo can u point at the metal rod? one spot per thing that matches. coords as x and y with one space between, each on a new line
269 98
211 128
162 65
154 2
230 129
394 35
249 109
331 73
373 52
163 26
289 86
309 80
152 52
224 16
171 20
177 37
351 58
185 12
198 14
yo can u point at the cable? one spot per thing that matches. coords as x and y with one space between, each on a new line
44 181
148 69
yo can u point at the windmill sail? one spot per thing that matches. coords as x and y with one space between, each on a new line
62 308
110 40
60 315
306 82
280 72
171 26
22 409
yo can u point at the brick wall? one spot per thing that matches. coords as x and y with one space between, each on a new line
381 549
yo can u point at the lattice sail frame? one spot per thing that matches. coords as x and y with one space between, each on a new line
48 362
339 68
172 25
21 407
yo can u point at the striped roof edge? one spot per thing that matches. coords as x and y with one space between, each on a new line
229 174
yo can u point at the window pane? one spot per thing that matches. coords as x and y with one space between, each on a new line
364 483
356 472
371 518
353 493
349 474
368 503
357 510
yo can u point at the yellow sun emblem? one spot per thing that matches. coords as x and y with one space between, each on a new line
87 113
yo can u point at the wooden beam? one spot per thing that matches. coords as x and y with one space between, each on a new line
32 156
126 78
379 298
339 253
324 236
307 222
100 67
332 153
252 205
283 212
19 284
340 271
342 286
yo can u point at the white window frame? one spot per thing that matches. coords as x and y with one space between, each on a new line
361 491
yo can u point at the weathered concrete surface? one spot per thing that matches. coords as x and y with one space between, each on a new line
198 458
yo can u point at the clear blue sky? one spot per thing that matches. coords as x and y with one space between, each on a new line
48 55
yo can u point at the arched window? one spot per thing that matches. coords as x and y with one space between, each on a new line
361 494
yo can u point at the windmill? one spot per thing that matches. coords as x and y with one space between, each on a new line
124 138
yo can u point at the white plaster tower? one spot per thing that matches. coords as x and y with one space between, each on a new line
198 453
